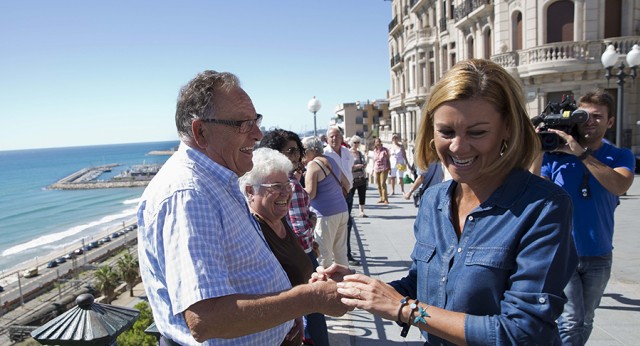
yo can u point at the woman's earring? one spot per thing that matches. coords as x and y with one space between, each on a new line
503 147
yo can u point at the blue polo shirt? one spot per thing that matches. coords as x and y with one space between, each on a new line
593 216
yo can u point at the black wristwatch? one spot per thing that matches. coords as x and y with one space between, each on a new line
586 153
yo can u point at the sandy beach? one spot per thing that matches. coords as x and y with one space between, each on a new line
9 276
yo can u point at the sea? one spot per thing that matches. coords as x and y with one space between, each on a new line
36 222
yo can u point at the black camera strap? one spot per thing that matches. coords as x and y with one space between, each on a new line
585 190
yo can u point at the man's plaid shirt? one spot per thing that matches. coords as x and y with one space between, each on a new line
299 215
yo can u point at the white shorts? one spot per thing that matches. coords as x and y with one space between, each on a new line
395 173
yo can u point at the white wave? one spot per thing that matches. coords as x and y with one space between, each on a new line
132 201
51 238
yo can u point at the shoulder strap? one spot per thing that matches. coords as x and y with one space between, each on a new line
330 170
321 166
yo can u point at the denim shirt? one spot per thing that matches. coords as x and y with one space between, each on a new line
507 271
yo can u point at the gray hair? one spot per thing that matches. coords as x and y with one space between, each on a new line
313 144
266 161
355 138
196 99
334 127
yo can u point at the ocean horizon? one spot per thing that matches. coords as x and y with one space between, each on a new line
36 222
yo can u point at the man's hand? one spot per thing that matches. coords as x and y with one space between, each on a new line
327 300
297 329
313 218
571 146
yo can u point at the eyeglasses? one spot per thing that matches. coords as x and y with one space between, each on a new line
292 150
244 126
278 187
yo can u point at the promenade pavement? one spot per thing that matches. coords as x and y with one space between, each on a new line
383 243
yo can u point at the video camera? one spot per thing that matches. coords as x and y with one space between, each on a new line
561 116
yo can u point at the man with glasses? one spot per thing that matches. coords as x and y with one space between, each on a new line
208 272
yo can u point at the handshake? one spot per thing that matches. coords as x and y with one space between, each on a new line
356 291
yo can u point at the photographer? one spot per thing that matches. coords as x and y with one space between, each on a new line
594 173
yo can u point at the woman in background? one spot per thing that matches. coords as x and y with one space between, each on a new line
302 219
398 158
359 174
268 192
324 182
381 168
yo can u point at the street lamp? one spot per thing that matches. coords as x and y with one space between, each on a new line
314 106
609 58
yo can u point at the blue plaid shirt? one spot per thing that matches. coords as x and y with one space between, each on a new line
197 240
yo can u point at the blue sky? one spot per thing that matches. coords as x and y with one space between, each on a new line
76 73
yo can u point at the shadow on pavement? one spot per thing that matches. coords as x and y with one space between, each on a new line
632 304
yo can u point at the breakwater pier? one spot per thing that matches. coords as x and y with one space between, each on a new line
87 178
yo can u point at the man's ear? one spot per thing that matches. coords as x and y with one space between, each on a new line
197 130
611 121
249 190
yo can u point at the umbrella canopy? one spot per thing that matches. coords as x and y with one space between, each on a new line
88 322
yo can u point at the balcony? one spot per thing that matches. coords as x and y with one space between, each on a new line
443 24
567 56
424 35
393 23
468 7
561 53
396 60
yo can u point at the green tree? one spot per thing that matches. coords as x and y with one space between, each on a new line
128 268
107 281
135 336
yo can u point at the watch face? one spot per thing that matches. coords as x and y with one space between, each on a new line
413 306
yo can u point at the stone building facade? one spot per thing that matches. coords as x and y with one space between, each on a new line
554 47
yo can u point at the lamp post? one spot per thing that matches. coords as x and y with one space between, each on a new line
609 58
314 106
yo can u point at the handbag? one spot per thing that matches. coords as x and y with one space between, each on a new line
359 181
402 167
359 175
345 192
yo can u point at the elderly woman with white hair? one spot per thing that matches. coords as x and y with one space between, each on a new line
325 182
268 192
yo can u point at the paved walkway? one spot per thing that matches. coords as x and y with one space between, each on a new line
384 241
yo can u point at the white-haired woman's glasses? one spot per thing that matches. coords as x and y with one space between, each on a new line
278 187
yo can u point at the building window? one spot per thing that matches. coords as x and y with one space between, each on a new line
432 73
487 43
470 47
612 18
516 31
560 21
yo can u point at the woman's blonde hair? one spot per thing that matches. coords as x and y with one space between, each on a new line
488 81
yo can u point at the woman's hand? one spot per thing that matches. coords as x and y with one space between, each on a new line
335 272
369 294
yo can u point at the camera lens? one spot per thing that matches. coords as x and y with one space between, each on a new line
550 141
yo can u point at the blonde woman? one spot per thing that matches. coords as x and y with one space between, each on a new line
493 246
